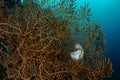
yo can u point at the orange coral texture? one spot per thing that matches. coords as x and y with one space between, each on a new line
39 38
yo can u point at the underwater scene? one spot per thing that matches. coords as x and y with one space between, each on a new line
59 40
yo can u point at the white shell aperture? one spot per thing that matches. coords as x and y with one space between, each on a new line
78 54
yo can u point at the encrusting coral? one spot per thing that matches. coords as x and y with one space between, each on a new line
40 41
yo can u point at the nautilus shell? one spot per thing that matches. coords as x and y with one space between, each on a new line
78 53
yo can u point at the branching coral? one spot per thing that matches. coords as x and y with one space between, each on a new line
39 37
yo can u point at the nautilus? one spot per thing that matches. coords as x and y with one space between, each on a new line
78 53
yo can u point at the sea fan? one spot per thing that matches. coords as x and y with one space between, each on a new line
43 36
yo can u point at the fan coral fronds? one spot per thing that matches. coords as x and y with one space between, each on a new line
43 39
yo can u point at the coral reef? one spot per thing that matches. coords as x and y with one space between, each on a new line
41 38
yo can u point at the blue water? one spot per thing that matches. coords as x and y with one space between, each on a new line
108 13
